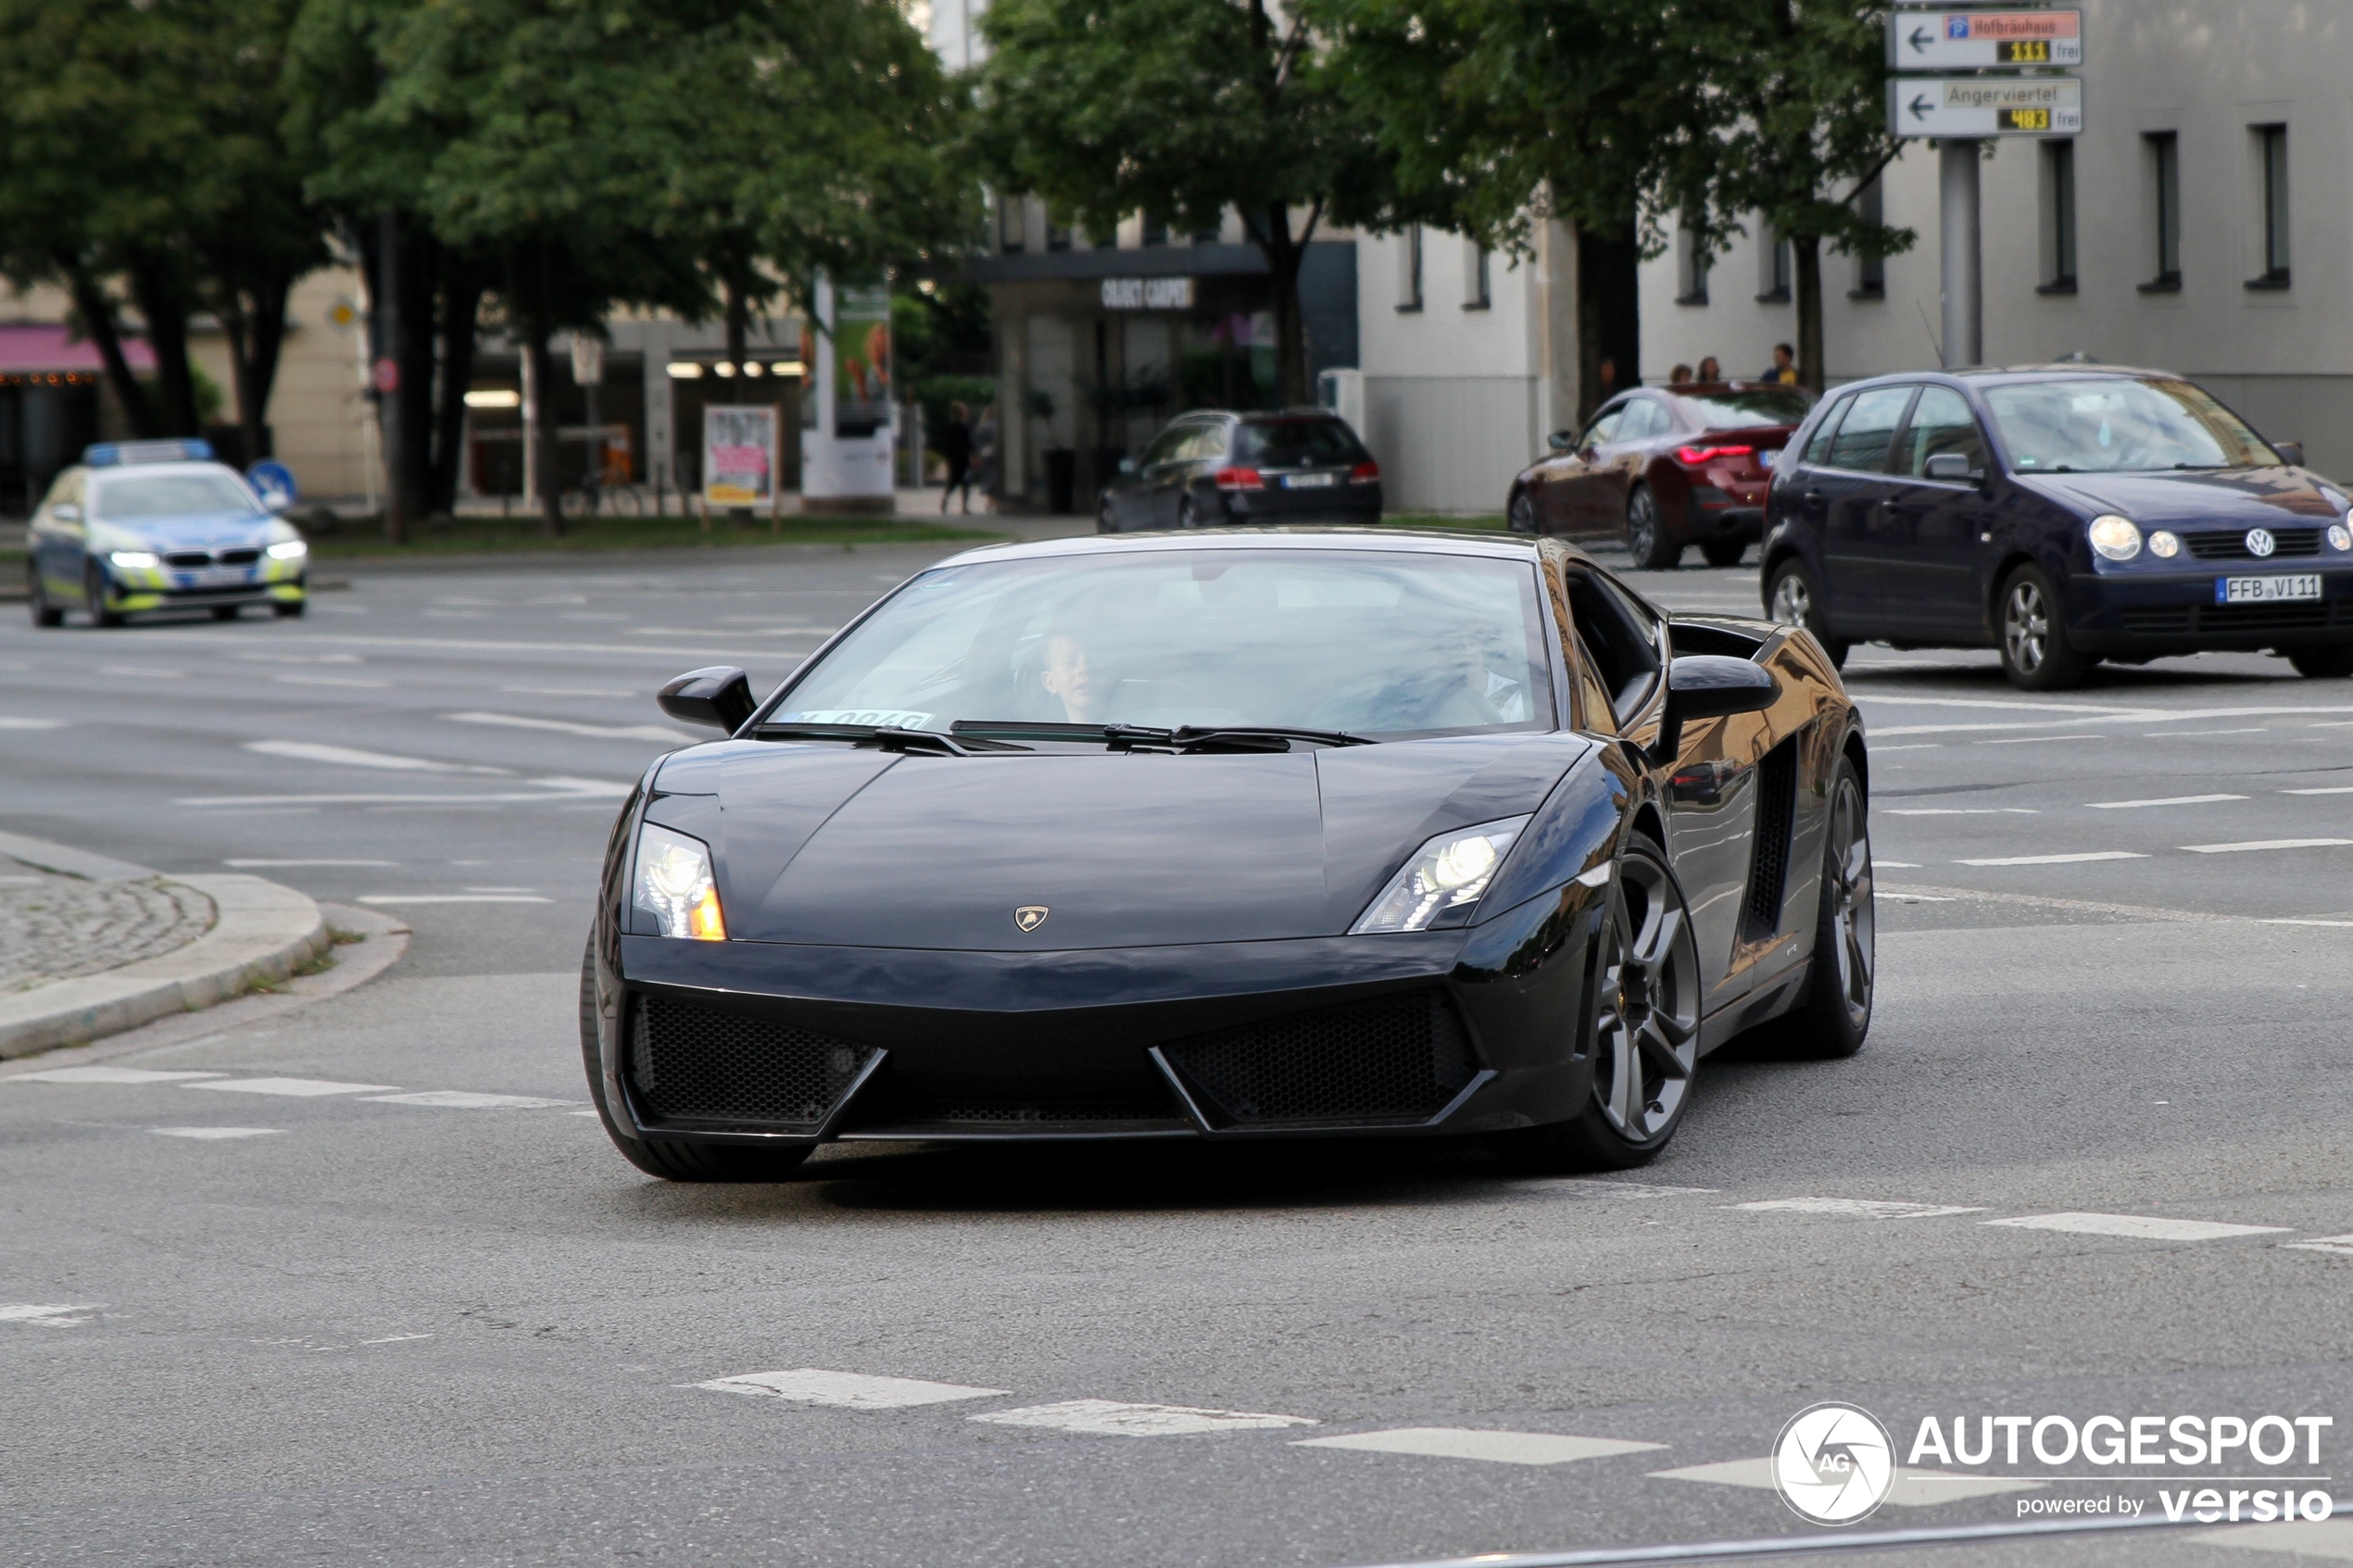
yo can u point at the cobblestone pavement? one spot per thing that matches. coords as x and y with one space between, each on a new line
56 927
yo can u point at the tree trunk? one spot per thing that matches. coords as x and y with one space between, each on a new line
1806 250
460 307
96 309
1284 255
253 318
420 270
536 332
1609 322
391 408
163 300
739 316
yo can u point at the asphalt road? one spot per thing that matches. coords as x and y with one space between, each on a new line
424 1313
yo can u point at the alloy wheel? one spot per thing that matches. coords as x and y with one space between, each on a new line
1523 515
1647 1029
2026 627
1792 602
1854 914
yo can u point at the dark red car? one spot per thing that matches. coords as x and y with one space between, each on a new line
1659 468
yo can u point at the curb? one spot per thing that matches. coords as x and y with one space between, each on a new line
261 933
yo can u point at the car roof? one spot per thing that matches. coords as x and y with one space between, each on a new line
1397 541
2007 375
107 473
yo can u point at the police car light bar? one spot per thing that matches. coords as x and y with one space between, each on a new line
110 453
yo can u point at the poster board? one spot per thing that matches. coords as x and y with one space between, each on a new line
740 458
862 360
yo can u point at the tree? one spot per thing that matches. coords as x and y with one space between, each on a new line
1182 109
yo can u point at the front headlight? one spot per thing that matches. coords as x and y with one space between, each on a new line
2164 544
289 549
135 561
2341 537
674 885
1449 872
2115 537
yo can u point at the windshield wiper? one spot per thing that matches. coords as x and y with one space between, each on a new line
889 737
1185 738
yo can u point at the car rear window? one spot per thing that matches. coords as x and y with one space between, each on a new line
1749 405
1295 442
167 494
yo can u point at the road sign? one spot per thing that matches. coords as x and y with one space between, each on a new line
273 481
1984 106
1976 39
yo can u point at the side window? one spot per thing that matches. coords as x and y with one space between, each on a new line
1865 436
1645 419
1817 449
1621 639
1942 422
1165 445
1207 440
1604 429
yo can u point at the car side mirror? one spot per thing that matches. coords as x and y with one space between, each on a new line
1127 465
719 696
1950 465
65 511
2291 452
1710 686
1560 441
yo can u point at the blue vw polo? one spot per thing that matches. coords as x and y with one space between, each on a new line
2062 514
140 526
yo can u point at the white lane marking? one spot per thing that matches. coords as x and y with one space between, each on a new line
2329 1539
1112 1419
502 890
110 1075
352 757
733 631
582 1113
847 1390
1967 728
395 1338
327 681
391 899
2258 729
566 726
8 723
141 671
2113 715
2148 1227
1902 866
299 657
209 1133
565 691
2341 922
2104 709
253 864
1919 746
2333 789
477 645
1462 1442
1916 898
464 1099
299 1088
2265 844
1913 1489
1961 811
47 1315
2169 800
2055 859
603 789
2036 740
564 790
1860 1208
2341 1244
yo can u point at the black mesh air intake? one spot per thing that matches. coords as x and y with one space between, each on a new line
1397 1059
692 1064
1768 871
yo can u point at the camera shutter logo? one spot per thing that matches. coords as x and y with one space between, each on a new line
1834 1465
2260 543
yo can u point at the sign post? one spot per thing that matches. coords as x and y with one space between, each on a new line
1959 111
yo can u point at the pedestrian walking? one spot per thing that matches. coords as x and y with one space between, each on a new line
985 457
1710 372
956 451
1784 368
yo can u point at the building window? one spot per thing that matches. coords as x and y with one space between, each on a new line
2165 205
1057 235
1478 292
2058 218
1871 272
1013 224
1409 270
1772 267
1692 261
1209 235
1155 230
2271 147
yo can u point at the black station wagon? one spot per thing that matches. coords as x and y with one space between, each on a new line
2064 515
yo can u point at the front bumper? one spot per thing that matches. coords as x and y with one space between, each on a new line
134 590
1438 1032
2141 612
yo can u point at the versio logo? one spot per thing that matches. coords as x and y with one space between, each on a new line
1834 1464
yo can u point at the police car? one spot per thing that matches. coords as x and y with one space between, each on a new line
151 525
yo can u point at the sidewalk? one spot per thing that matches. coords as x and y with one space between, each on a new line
91 945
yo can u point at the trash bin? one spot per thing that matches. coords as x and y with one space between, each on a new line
1062 480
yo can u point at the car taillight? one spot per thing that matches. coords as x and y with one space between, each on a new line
1241 479
1696 455
1366 472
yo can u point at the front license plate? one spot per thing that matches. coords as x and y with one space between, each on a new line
213 577
1307 481
2266 590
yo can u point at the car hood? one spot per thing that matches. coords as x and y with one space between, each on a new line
825 843
2233 497
200 531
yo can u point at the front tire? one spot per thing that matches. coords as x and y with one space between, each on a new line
36 595
1186 518
1836 1013
1646 538
1792 600
1723 552
2036 653
671 1161
2332 662
1522 514
94 598
224 612
288 609
1106 516
1639 1038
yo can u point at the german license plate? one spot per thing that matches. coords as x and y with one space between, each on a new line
1307 481
2266 590
215 577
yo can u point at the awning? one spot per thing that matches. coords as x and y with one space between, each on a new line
36 348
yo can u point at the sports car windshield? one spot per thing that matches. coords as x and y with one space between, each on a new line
1376 644
2114 426
169 495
